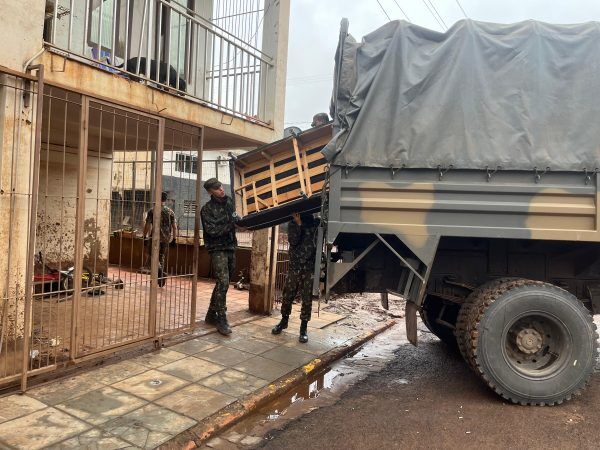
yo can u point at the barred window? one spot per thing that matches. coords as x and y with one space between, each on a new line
186 163
189 207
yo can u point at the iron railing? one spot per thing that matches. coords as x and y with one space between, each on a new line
174 48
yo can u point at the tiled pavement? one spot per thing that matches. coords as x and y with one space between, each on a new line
145 401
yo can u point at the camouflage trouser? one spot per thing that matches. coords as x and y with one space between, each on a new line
298 281
163 255
223 266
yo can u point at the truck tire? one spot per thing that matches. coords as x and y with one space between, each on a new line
430 312
463 330
533 343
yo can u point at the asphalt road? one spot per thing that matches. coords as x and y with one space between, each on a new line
428 398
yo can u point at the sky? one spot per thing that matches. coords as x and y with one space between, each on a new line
314 31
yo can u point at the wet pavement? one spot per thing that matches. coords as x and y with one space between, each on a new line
147 400
392 395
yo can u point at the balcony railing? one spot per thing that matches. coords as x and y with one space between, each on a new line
204 51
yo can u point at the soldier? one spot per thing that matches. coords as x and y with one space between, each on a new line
168 233
302 238
218 224
319 119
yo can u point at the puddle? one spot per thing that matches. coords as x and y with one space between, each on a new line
324 388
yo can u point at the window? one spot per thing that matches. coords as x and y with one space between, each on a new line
189 207
186 163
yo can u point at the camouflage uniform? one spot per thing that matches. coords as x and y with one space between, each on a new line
167 220
302 239
218 224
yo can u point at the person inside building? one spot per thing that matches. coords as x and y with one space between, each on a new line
302 239
319 119
168 233
218 225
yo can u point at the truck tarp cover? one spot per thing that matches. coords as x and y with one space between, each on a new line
518 96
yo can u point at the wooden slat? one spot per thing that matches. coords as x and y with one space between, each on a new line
283 168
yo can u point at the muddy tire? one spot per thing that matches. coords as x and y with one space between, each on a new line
430 313
532 342
462 331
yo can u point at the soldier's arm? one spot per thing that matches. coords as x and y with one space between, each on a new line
215 225
147 225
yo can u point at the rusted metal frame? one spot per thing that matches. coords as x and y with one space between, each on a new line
112 166
32 227
299 166
399 256
95 265
16 73
197 220
111 349
156 228
79 225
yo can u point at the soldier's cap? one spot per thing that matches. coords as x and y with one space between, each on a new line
212 183
320 117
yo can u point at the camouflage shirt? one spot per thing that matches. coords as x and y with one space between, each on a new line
218 224
302 239
167 220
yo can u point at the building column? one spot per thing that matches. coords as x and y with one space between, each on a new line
263 270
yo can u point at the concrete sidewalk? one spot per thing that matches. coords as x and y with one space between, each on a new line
147 400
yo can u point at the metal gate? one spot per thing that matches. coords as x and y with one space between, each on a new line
84 281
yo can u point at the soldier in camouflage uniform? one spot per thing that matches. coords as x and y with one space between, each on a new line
168 233
302 238
218 225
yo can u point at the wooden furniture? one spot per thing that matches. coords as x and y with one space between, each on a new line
281 172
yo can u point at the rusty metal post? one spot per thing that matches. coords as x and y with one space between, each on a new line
196 254
156 228
79 224
32 225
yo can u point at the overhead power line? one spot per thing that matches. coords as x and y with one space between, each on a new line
384 11
438 13
461 8
402 11
433 14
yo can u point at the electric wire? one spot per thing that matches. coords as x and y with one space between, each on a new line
438 13
383 9
402 11
462 9
432 13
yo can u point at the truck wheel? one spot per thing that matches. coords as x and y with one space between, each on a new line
533 343
463 330
430 315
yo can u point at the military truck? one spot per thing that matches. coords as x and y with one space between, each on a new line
464 177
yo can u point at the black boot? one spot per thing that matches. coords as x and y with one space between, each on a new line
211 317
303 333
222 325
282 325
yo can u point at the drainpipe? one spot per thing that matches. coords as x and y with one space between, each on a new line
30 60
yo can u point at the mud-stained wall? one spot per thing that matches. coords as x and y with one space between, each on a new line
16 151
55 226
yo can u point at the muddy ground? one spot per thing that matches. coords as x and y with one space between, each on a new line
392 395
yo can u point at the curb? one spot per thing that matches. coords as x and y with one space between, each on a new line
247 405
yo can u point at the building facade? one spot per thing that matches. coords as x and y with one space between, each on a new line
103 105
